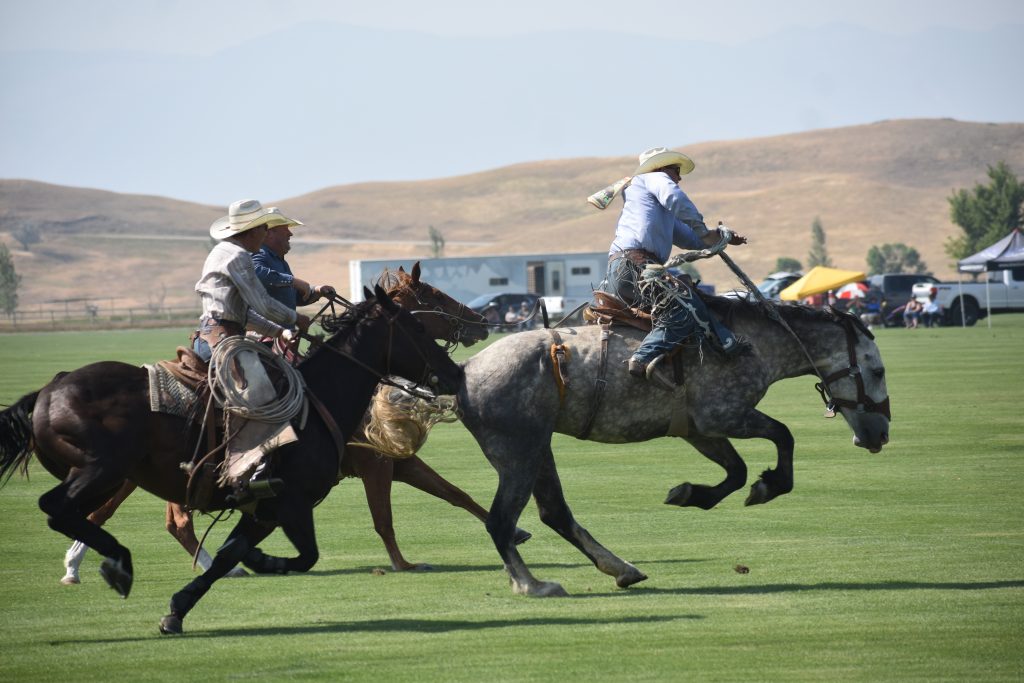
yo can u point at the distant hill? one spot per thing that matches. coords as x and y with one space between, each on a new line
871 184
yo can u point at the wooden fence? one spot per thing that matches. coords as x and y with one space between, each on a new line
96 317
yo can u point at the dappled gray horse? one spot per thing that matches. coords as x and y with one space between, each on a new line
511 402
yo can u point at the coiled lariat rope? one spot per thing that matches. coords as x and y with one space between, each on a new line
228 395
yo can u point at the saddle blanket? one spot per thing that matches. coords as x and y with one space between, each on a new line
167 394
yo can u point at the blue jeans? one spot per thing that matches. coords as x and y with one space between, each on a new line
670 326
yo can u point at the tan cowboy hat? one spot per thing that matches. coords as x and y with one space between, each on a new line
660 157
246 214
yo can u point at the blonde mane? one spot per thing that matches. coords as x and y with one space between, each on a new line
397 423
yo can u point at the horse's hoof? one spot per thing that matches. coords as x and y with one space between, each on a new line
70 580
539 589
548 589
629 577
170 625
758 494
117 576
420 567
521 536
680 495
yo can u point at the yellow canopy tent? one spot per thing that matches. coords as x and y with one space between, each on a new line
819 279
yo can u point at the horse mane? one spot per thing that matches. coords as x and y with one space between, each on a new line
390 280
728 307
341 326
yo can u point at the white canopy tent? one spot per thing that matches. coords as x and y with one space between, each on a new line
1004 254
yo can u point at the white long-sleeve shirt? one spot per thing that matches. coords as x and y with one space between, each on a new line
230 290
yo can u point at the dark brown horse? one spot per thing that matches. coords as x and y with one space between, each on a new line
445 319
93 429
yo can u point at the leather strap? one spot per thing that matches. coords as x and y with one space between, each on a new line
599 384
332 427
559 358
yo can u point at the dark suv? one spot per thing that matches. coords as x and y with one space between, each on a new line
495 306
895 290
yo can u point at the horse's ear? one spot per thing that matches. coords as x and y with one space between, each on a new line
367 294
401 269
384 300
416 273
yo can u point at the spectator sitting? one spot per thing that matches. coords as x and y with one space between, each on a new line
932 312
912 313
871 314
511 318
524 317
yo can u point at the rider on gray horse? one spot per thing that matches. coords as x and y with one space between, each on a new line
656 215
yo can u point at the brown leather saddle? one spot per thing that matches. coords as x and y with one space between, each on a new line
606 308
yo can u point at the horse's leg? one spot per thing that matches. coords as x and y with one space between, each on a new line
376 474
719 450
772 483
178 521
418 474
76 553
295 517
517 464
65 506
554 512
241 541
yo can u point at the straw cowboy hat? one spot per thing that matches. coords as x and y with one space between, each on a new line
246 214
659 157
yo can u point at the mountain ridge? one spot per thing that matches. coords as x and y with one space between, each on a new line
884 182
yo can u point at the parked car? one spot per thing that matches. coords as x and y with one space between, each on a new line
895 290
495 306
968 302
770 288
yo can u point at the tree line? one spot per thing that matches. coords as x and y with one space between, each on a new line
984 215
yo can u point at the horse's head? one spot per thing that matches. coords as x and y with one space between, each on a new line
412 353
855 385
444 318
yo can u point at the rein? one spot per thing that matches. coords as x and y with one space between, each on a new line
863 403
383 378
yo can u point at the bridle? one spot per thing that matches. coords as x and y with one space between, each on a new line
863 403
393 323
456 321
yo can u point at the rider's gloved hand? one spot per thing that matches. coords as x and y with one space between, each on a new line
302 322
324 291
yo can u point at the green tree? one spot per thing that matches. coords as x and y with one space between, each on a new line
987 213
436 242
788 264
9 281
27 234
818 255
895 258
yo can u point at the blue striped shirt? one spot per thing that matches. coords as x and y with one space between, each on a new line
657 214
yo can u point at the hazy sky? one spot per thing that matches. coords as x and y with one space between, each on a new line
151 96
203 26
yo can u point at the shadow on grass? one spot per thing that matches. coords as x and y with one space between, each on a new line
830 586
457 568
395 626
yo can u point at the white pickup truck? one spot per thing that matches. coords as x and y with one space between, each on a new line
968 302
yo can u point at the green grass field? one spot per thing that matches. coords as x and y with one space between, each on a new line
905 565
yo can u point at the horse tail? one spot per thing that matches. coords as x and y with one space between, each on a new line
16 436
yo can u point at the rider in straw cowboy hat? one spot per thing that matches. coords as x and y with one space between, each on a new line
233 297
657 214
235 300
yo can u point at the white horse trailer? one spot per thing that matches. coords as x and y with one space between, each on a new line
564 280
